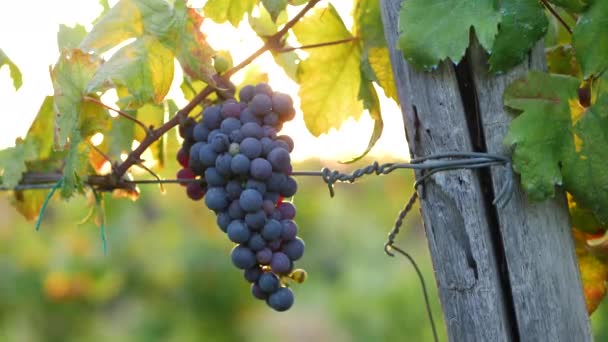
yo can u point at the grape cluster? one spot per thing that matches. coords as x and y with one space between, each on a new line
244 166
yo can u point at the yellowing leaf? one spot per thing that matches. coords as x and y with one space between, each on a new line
28 203
144 68
70 76
330 77
228 10
14 70
380 62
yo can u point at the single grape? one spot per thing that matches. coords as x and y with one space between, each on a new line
289 231
272 196
279 159
288 210
233 189
263 88
280 144
268 282
195 151
272 230
280 263
251 147
288 141
214 178
183 156
281 103
264 256
220 143
267 145
276 181
256 220
268 206
256 242
289 188
207 155
236 137
247 116
235 211
200 132
252 274
274 245
243 257
231 110
238 232
246 93
216 199
186 129
269 132
256 185
195 191
229 125
257 292
187 174
212 117
261 169
271 119
223 220
222 164
252 130
260 104
240 164
250 200
281 300
294 249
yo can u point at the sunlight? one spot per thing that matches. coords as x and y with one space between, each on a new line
344 143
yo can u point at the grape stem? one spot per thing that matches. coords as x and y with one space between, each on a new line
556 15
152 135
119 112
312 46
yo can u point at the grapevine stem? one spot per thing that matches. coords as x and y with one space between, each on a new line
312 46
152 135
556 15
119 112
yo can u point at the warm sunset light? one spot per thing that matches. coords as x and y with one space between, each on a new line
34 49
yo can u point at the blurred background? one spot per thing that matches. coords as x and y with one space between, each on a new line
167 274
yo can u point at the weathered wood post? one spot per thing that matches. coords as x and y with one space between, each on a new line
505 274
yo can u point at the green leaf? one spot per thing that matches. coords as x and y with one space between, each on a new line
542 133
289 61
590 39
586 171
433 30
368 26
28 203
13 159
144 67
190 88
330 77
38 133
14 70
192 51
275 7
231 10
583 219
573 5
76 165
562 60
523 23
70 37
262 23
130 19
70 76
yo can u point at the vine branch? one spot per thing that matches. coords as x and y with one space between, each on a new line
119 112
556 15
134 157
312 46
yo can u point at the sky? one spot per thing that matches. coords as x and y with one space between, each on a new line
28 36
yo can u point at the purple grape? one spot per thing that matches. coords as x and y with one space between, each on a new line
263 88
281 103
231 109
294 249
288 210
229 125
251 147
240 164
288 141
256 242
207 155
214 178
242 257
223 220
216 199
252 130
279 159
289 188
276 181
200 132
280 263
250 200
257 292
272 230
256 185
235 211
264 256
238 232
256 220
194 191
236 136
246 93
289 231
252 274
247 116
271 119
233 189
222 164
260 104
212 117
281 300
261 169
268 282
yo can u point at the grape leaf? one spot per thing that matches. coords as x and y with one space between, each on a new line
13 159
230 10
28 203
561 59
584 219
152 115
275 7
76 164
371 102
573 5
144 67
590 39
38 132
192 50
368 27
70 76
70 37
594 272
586 171
330 77
523 23
433 30
541 133
14 70
130 19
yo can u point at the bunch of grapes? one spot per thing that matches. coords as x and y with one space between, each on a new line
244 167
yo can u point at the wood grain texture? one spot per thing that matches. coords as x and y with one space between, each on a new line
537 240
453 208
503 274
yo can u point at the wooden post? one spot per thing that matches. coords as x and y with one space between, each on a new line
505 274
